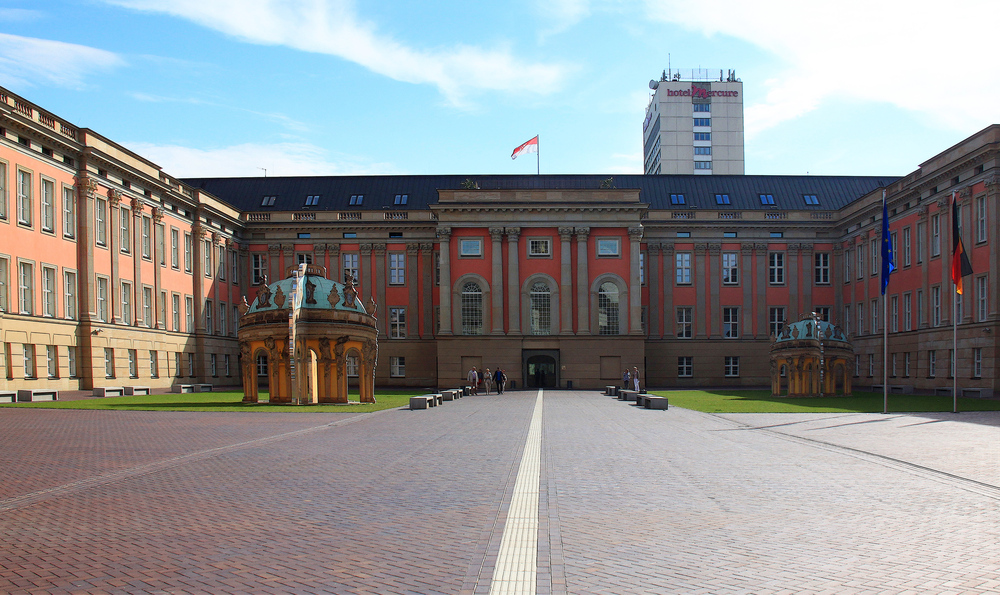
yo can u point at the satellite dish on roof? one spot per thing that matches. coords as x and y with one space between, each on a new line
653 85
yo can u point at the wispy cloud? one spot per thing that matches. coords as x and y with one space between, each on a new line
20 15
25 61
287 122
250 159
332 27
913 56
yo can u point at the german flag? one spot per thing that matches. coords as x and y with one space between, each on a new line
960 265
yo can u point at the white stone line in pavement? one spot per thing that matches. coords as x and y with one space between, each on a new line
517 561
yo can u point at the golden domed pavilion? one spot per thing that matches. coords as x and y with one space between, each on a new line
811 358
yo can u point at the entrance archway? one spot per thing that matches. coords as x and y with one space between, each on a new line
541 369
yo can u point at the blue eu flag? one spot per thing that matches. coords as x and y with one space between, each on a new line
888 263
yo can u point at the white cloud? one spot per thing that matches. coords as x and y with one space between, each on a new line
25 61
250 159
20 14
332 27
915 56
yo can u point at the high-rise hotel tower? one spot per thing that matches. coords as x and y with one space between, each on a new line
694 125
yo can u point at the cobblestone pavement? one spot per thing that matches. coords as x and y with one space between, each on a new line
632 501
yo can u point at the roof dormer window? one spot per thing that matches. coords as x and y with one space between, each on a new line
357 199
268 201
312 200
811 199
401 199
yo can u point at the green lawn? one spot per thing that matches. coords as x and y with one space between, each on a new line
761 401
222 401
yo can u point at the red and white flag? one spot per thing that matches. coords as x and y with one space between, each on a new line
529 147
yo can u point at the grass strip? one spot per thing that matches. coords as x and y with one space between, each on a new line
223 401
761 401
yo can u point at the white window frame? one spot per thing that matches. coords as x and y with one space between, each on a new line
397 268
49 288
982 299
47 200
981 219
682 266
124 230
126 289
147 306
397 322
776 268
685 366
906 246
608 247
730 322
397 366
730 268
69 212
539 247
24 201
732 366
685 322
470 247
935 235
26 287
70 304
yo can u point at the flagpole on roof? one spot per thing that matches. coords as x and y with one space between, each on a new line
538 156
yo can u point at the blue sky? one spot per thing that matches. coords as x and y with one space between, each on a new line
331 87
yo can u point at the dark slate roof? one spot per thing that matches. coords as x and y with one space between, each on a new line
832 192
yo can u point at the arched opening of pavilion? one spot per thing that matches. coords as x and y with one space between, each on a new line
811 358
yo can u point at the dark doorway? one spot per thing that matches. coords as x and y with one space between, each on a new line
541 371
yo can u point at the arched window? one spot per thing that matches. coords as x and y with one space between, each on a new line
472 309
541 309
607 309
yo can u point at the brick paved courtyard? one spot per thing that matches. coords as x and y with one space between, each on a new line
631 501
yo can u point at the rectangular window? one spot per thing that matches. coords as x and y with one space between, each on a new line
921 239
397 367
401 199
847 320
810 199
352 366
861 318
730 268
951 363
175 301
312 200
207 250
357 199
220 262
3 190
234 266
124 230
397 268
722 199
703 165
907 311
222 318
682 266
685 322
936 306
894 313
161 318
861 261
871 365
982 303
875 309
642 268
126 303
731 323
776 320
208 316
823 312
874 250
892 372
677 199
931 364
102 299
147 232
268 201
161 247
188 247
702 121
48 291
191 365
822 276
470 247
935 235
920 307
981 219
702 136
702 151
236 320
767 199
258 268
906 364
977 362
608 247
101 222
69 295
189 313
703 107
175 248
213 364
24 206
154 364
776 268
906 246
133 365
351 266
26 287
48 200
397 323
29 360
539 247
847 266
109 362
71 361
177 364
732 366
857 365
228 365
685 366
147 307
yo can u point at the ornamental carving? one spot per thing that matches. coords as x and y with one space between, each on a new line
379 249
136 205
426 247
87 186
412 249
334 297
274 248
443 233
264 295
310 291
581 232
279 298
513 233
496 233
635 233
157 214
114 197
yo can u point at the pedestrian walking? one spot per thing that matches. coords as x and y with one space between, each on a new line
625 379
488 380
635 378
498 380
503 381
473 379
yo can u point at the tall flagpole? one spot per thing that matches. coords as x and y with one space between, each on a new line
538 157
887 262
954 350
885 355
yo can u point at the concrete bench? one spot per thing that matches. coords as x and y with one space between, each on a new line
203 388
653 402
447 395
185 388
109 391
422 402
8 396
37 394
611 390
136 390
640 399
627 395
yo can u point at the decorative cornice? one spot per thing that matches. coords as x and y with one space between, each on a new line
760 247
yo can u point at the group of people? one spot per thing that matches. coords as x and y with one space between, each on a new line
631 377
489 380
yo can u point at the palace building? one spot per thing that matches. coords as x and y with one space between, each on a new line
114 272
